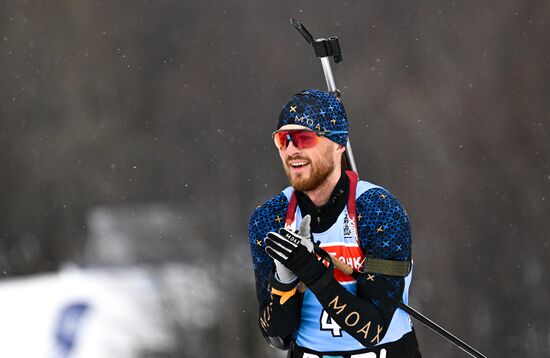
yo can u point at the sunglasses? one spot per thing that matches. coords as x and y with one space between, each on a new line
302 139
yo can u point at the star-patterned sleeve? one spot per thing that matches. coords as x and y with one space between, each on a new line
383 226
277 320
385 234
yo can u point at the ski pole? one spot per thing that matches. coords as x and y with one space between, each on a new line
348 270
441 331
324 49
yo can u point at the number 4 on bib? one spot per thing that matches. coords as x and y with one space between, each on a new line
327 324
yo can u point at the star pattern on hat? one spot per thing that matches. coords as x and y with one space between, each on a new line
317 110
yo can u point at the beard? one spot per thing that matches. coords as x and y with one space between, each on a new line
318 173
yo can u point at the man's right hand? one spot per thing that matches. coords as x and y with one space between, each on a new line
283 274
296 252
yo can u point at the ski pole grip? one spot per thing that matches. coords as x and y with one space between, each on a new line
302 30
323 47
348 270
328 47
345 268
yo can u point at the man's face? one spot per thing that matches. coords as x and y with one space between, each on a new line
308 168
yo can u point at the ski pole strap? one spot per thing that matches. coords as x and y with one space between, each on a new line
386 267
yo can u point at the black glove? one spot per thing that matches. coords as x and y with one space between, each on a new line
296 253
283 274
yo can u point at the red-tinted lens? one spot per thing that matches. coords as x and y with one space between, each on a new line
304 139
300 139
281 140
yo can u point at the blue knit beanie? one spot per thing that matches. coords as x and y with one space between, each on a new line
317 110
